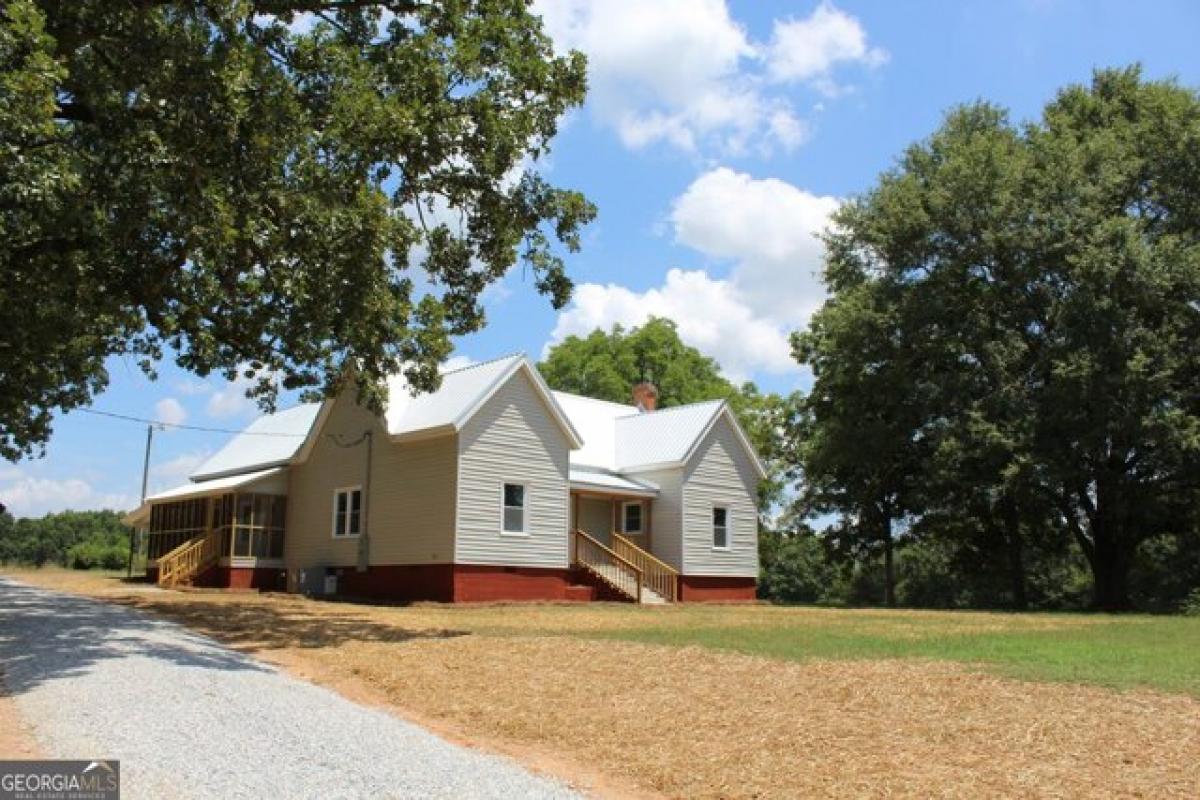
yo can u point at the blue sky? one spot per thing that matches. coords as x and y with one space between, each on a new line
717 138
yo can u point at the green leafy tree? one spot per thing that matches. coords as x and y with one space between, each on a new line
606 365
858 452
1118 376
270 188
78 539
1040 289
795 567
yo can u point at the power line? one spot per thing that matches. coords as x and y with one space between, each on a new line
180 426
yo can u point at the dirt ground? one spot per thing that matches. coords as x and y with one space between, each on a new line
627 719
16 737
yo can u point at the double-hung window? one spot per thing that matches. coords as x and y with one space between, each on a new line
513 511
720 528
631 517
347 512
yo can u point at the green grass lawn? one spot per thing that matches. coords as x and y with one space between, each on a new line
1120 652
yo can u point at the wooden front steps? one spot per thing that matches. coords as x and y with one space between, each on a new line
190 560
624 571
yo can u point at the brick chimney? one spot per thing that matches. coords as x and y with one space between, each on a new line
645 396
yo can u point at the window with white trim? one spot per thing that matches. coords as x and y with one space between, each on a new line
720 528
347 512
513 501
631 517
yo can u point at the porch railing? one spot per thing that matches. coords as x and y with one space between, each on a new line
619 573
189 559
660 577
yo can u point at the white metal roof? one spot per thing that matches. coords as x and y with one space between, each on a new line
662 437
275 439
620 438
459 390
271 440
602 481
461 394
208 488
596 421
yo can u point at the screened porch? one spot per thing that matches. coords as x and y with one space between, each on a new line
251 524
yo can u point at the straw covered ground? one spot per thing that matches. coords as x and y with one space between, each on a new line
687 702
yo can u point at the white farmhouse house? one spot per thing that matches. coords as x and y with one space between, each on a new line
494 487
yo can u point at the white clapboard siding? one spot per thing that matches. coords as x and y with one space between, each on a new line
596 518
666 515
513 438
720 473
411 503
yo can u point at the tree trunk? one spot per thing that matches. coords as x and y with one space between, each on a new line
1110 572
1113 551
889 562
1016 551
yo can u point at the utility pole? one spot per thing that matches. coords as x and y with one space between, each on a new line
145 481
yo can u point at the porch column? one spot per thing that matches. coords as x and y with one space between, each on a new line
647 505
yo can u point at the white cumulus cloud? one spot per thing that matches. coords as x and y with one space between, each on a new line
170 411
809 49
30 496
712 317
676 71
766 230
686 73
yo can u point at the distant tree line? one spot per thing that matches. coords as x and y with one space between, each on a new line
75 539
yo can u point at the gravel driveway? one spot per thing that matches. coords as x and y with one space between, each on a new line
190 718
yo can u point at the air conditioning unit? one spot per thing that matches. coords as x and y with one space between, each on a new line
316 581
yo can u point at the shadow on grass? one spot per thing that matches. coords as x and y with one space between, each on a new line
254 624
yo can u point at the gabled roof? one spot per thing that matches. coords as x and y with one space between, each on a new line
666 436
287 436
462 393
622 438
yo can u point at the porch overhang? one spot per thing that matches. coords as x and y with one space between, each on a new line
603 482
264 481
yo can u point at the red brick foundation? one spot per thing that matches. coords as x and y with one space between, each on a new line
264 579
714 588
453 583
485 583
402 583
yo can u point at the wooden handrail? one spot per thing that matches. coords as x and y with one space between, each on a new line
660 576
618 572
189 559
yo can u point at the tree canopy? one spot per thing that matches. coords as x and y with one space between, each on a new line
268 188
77 539
606 364
1011 333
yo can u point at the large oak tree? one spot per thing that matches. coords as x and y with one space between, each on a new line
270 188
1041 285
